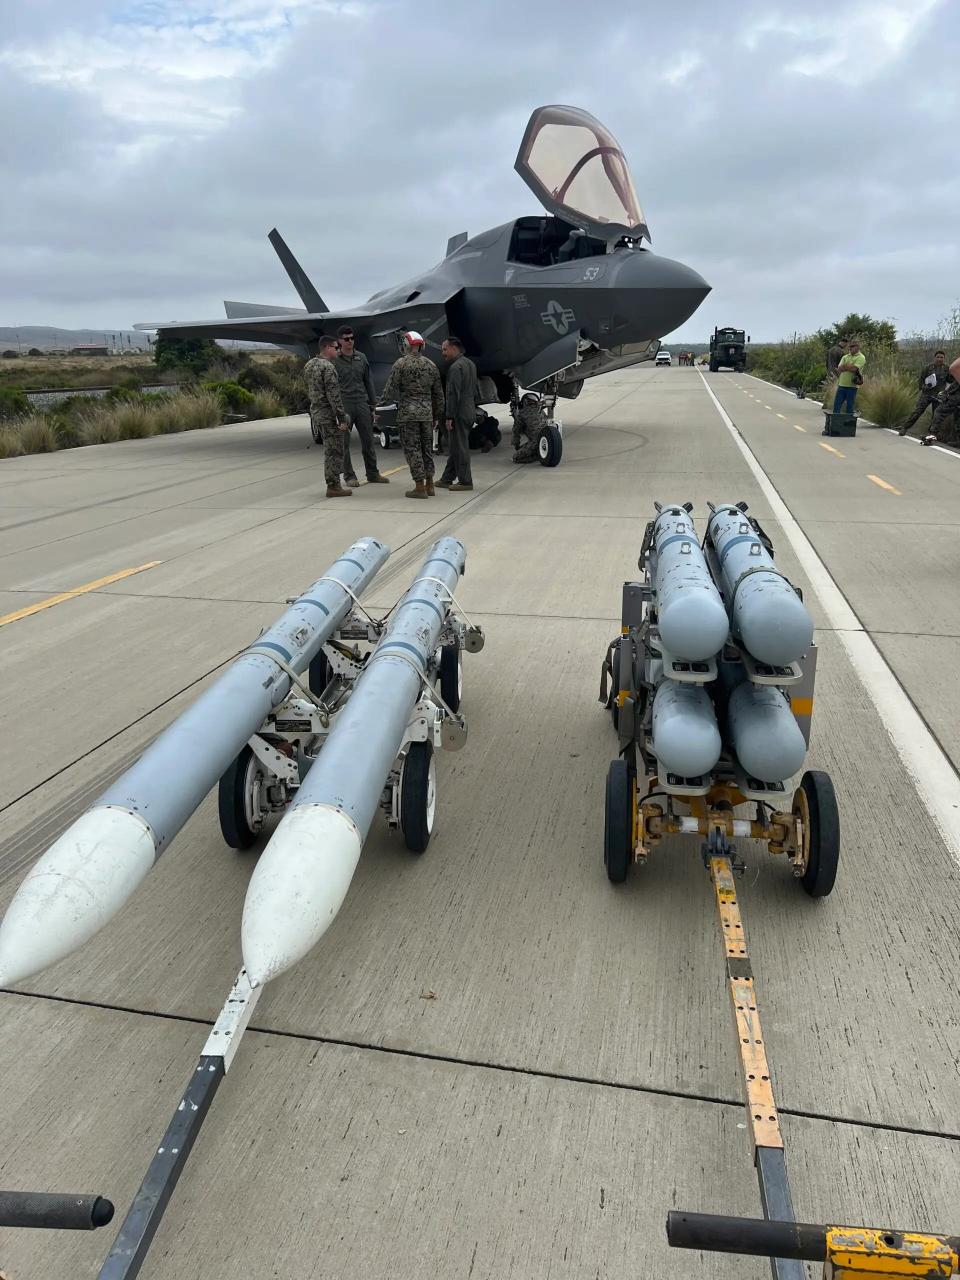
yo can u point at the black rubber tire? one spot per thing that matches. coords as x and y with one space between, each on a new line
318 674
550 446
615 687
451 675
713 367
617 822
231 803
416 822
824 836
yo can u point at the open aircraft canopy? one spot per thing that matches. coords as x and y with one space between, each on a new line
574 166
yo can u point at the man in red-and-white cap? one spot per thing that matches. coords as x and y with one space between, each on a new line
414 386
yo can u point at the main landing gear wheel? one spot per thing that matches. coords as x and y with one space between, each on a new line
418 796
550 446
239 800
451 675
618 822
815 804
384 440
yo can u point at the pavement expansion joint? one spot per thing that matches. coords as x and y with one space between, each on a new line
481 1064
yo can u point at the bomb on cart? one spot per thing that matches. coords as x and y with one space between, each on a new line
702 736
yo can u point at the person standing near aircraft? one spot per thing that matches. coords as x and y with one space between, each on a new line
360 401
527 421
850 371
326 409
948 408
461 411
929 385
414 386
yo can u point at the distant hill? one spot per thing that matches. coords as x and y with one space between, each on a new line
47 338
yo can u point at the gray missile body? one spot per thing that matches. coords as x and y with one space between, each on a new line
691 617
686 740
87 875
303 875
766 615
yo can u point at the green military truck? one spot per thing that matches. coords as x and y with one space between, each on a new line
728 347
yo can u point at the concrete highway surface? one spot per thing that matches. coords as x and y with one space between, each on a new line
495 1064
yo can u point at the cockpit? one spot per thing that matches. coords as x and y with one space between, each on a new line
545 242
577 170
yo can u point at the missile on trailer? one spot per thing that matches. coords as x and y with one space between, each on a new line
763 732
691 616
766 615
686 740
87 875
304 873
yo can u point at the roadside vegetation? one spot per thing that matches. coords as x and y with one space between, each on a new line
208 386
889 389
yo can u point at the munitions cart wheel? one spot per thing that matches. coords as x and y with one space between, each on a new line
550 446
618 822
315 430
238 800
418 796
815 804
384 440
451 675
318 674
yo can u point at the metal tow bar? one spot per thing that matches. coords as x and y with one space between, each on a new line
847 1253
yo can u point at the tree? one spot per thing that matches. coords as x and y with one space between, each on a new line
34 351
875 333
195 354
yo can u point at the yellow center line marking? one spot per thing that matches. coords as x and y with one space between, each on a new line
883 485
783 416
797 427
77 591
392 472
831 449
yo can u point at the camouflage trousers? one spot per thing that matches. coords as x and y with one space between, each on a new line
945 426
333 439
524 446
924 401
417 441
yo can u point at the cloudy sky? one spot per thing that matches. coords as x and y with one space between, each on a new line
805 165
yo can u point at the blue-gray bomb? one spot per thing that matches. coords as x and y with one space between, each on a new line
686 740
690 614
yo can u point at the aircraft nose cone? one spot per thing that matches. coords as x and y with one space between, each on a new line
664 293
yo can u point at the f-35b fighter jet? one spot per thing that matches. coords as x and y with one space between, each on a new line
542 302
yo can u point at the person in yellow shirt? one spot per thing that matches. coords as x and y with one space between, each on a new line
850 370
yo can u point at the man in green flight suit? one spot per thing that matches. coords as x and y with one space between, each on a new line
356 388
461 411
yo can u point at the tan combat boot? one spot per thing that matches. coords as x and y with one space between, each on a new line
431 491
334 491
419 492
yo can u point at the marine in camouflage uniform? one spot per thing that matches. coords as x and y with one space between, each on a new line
414 386
945 425
927 397
327 411
527 421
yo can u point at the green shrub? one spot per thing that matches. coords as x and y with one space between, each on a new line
887 399
266 404
256 377
37 434
67 429
10 443
34 351
233 397
194 354
289 385
13 403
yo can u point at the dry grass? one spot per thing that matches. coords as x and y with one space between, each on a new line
37 434
134 421
11 446
266 405
887 400
100 426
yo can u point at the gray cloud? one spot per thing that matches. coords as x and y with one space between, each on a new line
802 164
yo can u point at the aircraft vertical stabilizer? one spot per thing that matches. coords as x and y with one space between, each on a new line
301 281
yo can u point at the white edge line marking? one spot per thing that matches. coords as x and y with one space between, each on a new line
951 453
928 768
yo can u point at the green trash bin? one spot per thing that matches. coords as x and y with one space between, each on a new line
840 424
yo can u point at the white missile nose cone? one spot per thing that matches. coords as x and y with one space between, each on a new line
82 880
297 888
